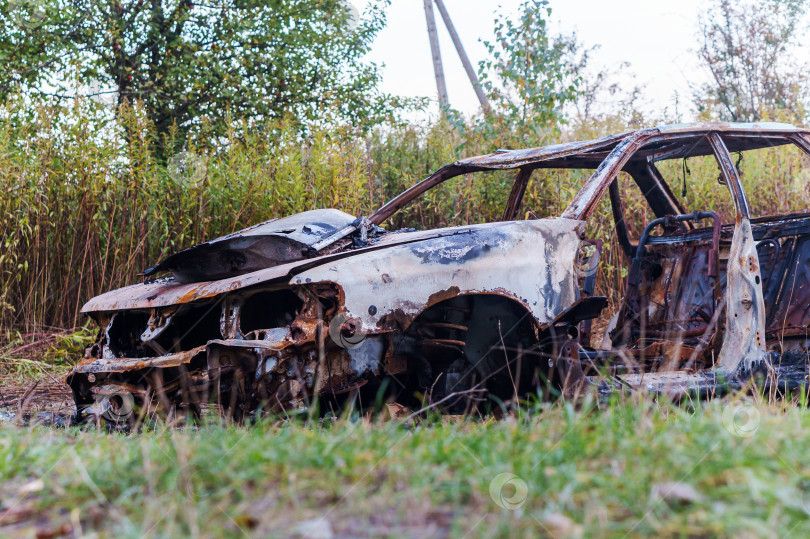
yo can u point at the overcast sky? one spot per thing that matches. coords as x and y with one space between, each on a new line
657 37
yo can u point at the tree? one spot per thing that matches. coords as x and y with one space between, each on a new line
194 64
531 75
749 49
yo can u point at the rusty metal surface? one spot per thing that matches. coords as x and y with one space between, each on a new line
530 261
307 227
585 201
759 135
744 336
168 292
261 246
510 159
724 127
131 364
516 196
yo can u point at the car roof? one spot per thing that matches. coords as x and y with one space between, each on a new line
758 127
674 141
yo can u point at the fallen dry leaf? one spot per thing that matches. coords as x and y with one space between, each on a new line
32 486
675 492
316 528
16 513
558 525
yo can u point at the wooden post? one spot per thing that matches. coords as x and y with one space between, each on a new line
437 55
482 98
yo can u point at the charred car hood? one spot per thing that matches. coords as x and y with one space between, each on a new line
265 245
168 292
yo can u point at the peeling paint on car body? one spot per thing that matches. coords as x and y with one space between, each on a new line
532 260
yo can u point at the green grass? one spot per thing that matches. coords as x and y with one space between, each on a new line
587 473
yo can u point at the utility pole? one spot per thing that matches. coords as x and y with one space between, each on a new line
461 54
437 55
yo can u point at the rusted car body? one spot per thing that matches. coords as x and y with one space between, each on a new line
322 306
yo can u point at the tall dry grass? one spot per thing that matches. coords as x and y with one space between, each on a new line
83 209
81 212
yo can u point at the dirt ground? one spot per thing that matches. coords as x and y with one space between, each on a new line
32 370
36 395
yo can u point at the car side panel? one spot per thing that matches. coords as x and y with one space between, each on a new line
532 262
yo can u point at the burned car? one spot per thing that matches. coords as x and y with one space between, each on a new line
326 307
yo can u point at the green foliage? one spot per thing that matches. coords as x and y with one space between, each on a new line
48 353
192 67
531 74
69 347
752 51
587 472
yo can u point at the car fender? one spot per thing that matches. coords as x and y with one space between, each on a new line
532 262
